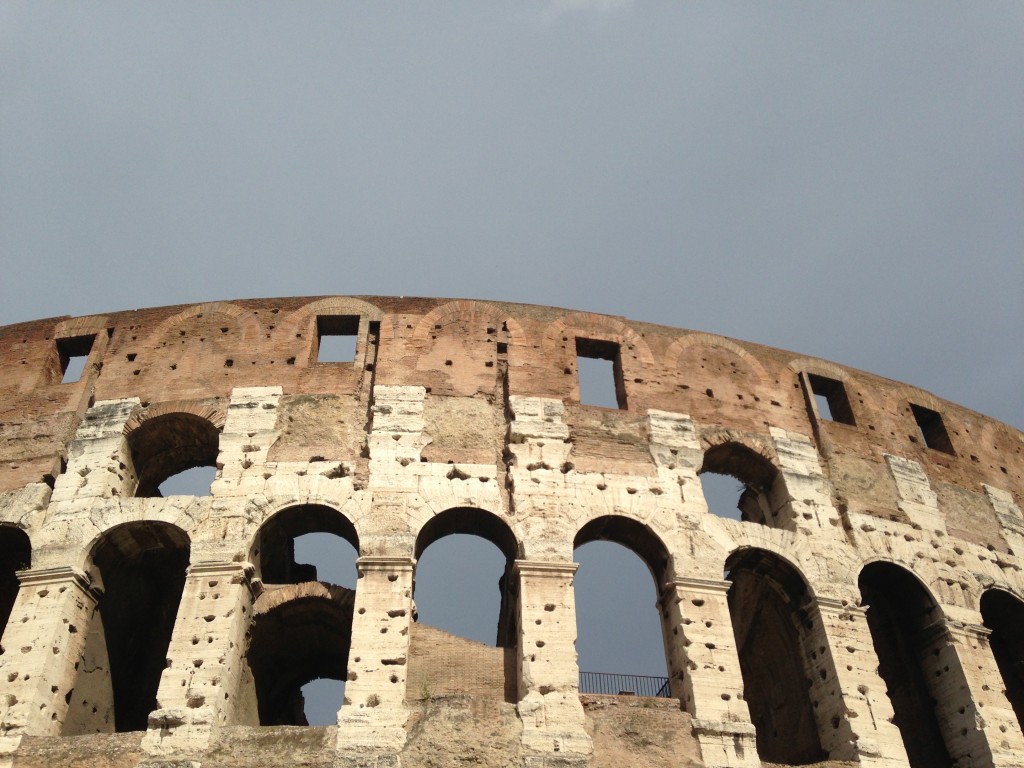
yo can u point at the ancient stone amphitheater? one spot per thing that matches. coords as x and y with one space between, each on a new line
871 611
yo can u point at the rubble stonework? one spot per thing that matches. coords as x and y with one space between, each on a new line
867 607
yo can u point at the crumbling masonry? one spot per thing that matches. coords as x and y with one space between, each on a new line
867 608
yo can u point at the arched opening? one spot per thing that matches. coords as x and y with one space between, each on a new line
773 621
302 623
757 491
903 617
142 571
15 555
620 638
168 445
1004 615
300 633
465 596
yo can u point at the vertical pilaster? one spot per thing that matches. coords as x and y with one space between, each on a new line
705 672
548 685
982 719
863 715
373 717
44 644
206 684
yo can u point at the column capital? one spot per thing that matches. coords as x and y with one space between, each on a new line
544 568
385 563
221 568
836 606
63 574
706 586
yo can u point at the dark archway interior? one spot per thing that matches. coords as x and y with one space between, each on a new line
299 640
1004 615
142 566
757 474
900 612
275 544
166 445
768 602
15 554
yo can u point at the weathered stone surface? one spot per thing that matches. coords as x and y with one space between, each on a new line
187 617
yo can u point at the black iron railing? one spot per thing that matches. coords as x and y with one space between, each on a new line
623 685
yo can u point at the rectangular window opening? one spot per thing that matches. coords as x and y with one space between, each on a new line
74 354
830 397
932 430
336 338
599 368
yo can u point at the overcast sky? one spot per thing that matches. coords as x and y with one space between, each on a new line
841 179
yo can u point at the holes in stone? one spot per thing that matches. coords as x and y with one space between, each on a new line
73 354
336 338
599 372
931 429
831 399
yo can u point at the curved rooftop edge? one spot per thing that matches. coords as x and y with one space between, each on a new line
863 602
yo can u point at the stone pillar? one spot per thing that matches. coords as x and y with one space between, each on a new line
861 717
372 720
206 683
44 644
704 668
976 713
548 675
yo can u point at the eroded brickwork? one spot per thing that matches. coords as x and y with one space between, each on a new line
864 607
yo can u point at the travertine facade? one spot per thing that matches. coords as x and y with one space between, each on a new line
872 613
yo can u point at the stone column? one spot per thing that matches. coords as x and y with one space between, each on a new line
206 683
548 675
858 724
975 712
372 720
44 644
704 668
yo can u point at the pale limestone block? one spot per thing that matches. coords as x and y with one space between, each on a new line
374 714
44 640
916 497
549 703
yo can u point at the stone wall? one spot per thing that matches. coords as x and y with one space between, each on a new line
870 611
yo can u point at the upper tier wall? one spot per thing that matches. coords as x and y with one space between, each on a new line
470 355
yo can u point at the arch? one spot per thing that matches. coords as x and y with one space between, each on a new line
764 499
273 547
473 521
471 313
164 444
780 642
633 535
141 566
632 640
1003 613
903 618
246 320
15 555
299 633
695 340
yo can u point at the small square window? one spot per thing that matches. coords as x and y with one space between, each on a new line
74 354
932 429
830 397
599 370
336 338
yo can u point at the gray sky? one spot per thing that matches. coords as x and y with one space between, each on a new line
841 179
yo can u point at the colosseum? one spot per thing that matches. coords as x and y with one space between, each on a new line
864 606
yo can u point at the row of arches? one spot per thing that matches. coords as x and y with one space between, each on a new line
176 454
301 626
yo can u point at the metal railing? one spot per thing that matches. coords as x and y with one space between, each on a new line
624 685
